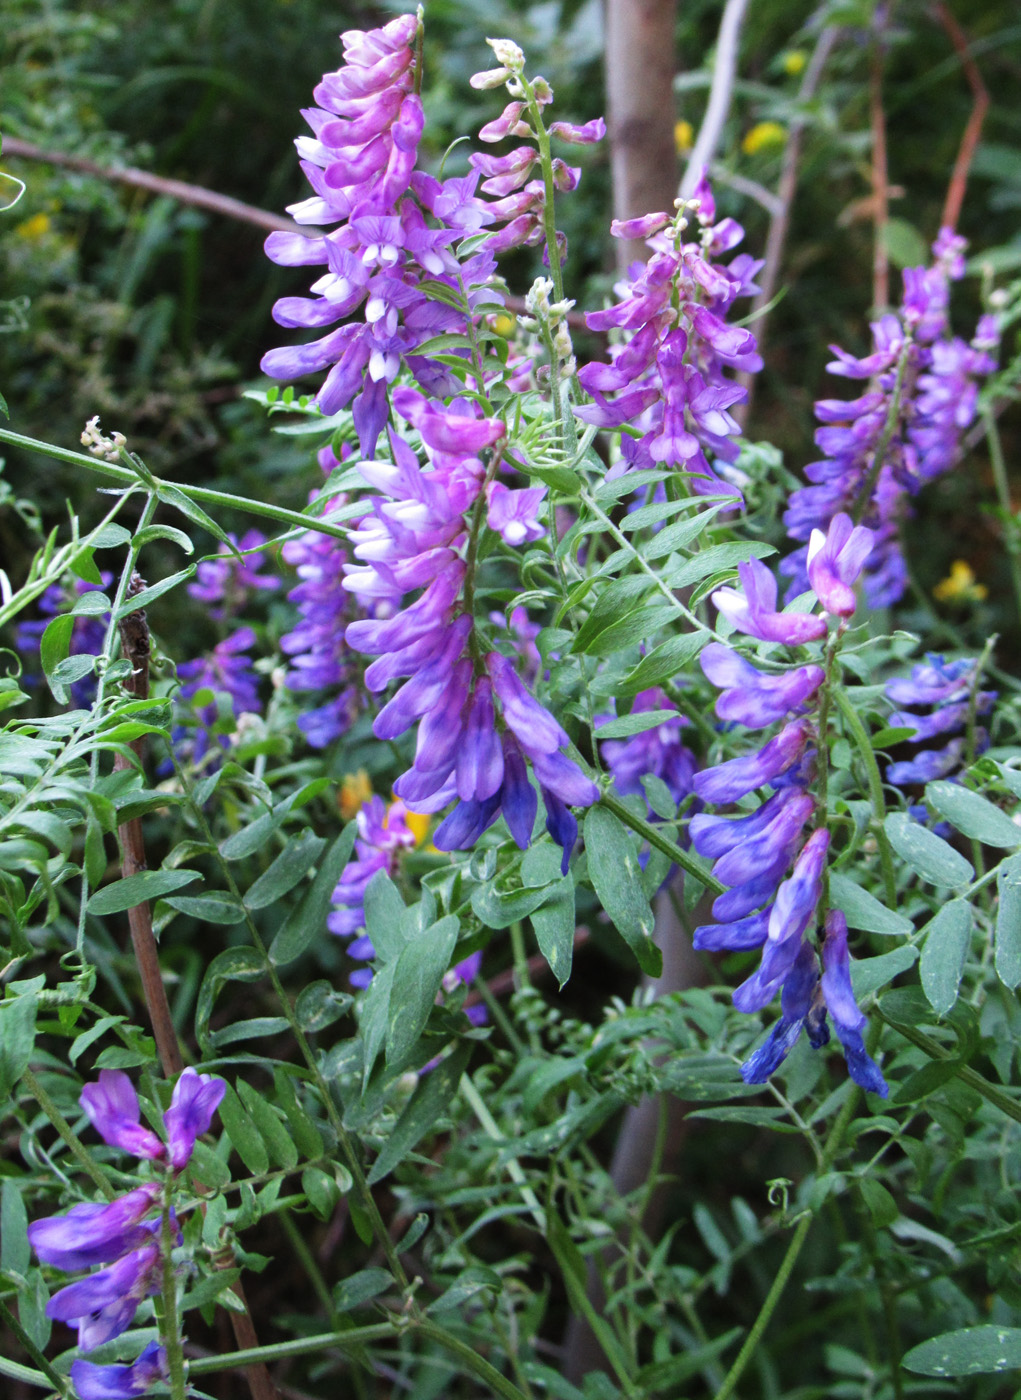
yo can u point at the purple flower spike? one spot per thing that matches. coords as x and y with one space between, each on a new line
795 1006
94 1234
848 1020
754 611
104 1303
195 1099
835 561
112 1109
94 1382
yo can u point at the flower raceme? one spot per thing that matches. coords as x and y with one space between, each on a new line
124 1235
773 873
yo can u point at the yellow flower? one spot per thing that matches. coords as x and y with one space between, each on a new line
503 324
765 136
960 586
684 137
794 61
355 791
34 228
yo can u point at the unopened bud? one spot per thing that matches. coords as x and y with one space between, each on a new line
493 78
508 53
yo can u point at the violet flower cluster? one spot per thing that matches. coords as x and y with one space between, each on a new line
667 375
880 449
225 583
479 728
773 873
126 1235
942 691
226 670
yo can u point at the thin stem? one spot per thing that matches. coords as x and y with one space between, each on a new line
311 1267
492 1131
718 106
867 487
46 1375
786 1268
875 782
126 477
655 837
170 1328
965 1073
63 1127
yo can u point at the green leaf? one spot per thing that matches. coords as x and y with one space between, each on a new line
307 922
321 1191
636 723
617 601
17 1037
418 974
208 1289
209 908
869 974
773 1118
83 566
946 945
717 559
281 1147
306 1135
232 965
1008 922
384 915
617 880
136 889
554 926
973 815
862 910
676 536
243 1134
664 662
880 1204
15 1253
903 242
111 536
359 1288
140 601
53 649
171 496
427 1104
927 854
162 532
290 866
972 1351
497 910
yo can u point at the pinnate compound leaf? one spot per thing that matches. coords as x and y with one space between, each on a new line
971 1351
928 855
617 880
946 945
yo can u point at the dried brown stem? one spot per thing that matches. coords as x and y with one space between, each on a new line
880 186
973 130
134 632
184 193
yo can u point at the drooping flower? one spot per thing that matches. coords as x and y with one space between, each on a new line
93 1382
660 751
942 690
224 583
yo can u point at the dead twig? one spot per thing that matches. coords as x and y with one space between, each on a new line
973 130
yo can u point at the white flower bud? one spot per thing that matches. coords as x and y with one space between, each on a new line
493 78
508 53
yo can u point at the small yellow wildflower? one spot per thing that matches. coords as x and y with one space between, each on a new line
504 323
355 791
960 586
684 137
764 136
794 61
38 226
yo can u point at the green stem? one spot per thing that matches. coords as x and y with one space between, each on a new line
964 1073
875 782
308 1262
492 1131
126 477
655 837
889 428
46 1375
999 466
478 1365
751 1342
170 1323
63 1127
